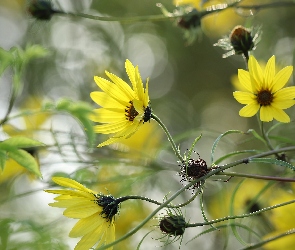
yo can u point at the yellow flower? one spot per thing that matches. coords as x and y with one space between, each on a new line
95 211
123 109
251 196
265 91
283 218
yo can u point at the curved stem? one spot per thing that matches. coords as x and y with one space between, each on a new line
176 151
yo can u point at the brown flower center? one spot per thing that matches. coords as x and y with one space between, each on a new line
264 98
130 112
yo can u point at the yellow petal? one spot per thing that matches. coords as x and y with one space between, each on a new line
131 73
244 97
146 98
256 74
139 84
281 78
66 182
108 236
105 115
108 142
64 203
266 114
112 90
88 240
71 193
245 81
86 225
285 93
249 110
280 115
111 127
122 85
104 100
282 104
269 72
82 210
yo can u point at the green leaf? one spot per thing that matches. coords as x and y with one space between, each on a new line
219 138
256 135
21 142
273 161
26 160
234 153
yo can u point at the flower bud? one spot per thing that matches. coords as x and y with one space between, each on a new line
173 225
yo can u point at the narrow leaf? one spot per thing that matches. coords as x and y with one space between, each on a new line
273 161
219 138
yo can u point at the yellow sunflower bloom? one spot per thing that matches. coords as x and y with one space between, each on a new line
123 109
95 211
265 91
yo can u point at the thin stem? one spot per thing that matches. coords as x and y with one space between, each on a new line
176 151
261 243
124 19
265 137
254 176
239 216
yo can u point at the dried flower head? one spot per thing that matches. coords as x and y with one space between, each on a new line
240 41
42 9
192 170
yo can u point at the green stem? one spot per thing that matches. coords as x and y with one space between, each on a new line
261 243
176 151
261 177
267 141
239 216
124 19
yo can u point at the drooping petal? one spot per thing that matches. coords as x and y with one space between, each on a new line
245 81
281 78
269 72
244 97
88 240
86 225
249 110
82 210
110 128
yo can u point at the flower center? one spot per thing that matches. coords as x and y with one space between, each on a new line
110 206
264 98
130 112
